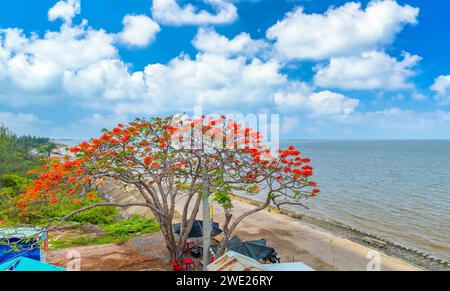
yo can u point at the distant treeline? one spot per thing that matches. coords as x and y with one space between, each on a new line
16 151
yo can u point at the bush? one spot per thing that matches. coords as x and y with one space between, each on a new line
118 232
136 225
13 181
95 216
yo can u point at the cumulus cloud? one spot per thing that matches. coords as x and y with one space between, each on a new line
319 103
36 65
215 81
65 10
340 31
139 30
169 12
20 123
212 80
81 66
370 70
391 123
442 88
81 63
417 96
209 41
289 124
107 79
407 120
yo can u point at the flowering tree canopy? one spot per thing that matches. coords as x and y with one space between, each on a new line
173 162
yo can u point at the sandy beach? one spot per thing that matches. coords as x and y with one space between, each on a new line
297 240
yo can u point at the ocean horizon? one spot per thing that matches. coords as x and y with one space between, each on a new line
396 189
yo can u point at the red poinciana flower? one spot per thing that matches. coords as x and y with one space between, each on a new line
162 158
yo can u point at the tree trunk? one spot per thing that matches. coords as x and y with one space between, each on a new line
222 245
167 231
228 230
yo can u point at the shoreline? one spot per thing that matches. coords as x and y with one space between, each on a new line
389 248
402 252
318 243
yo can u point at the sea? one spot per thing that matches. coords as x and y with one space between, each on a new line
398 190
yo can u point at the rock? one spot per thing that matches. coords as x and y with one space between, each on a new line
374 242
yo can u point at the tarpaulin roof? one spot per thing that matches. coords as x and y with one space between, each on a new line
26 264
197 229
233 261
21 242
21 232
255 249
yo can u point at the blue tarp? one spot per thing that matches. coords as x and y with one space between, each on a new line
21 242
26 264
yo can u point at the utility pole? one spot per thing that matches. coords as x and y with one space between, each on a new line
206 227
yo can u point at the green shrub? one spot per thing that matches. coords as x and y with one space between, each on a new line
117 232
135 226
95 216
13 181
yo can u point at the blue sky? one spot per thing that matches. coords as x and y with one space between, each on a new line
332 69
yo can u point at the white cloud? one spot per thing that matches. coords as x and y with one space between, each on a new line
139 30
36 65
82 65
169 12
442 88
215 81
341 31
417 96
209 41
65 10
212 80
20 123
107 79
289 124
319 103
406 120
370 70
389 123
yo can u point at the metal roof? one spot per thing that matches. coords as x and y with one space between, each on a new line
233 261
294 266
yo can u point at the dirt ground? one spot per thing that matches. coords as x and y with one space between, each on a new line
296 240
147 252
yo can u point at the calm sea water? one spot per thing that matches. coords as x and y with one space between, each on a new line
399 190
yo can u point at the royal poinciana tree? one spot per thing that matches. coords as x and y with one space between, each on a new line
173 163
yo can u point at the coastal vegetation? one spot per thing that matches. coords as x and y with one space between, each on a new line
19 157
118 231
16 152
164 159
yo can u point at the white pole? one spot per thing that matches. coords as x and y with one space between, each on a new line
206 230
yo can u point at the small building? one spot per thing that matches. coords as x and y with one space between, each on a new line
293 266
27 264
30 243
233 261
